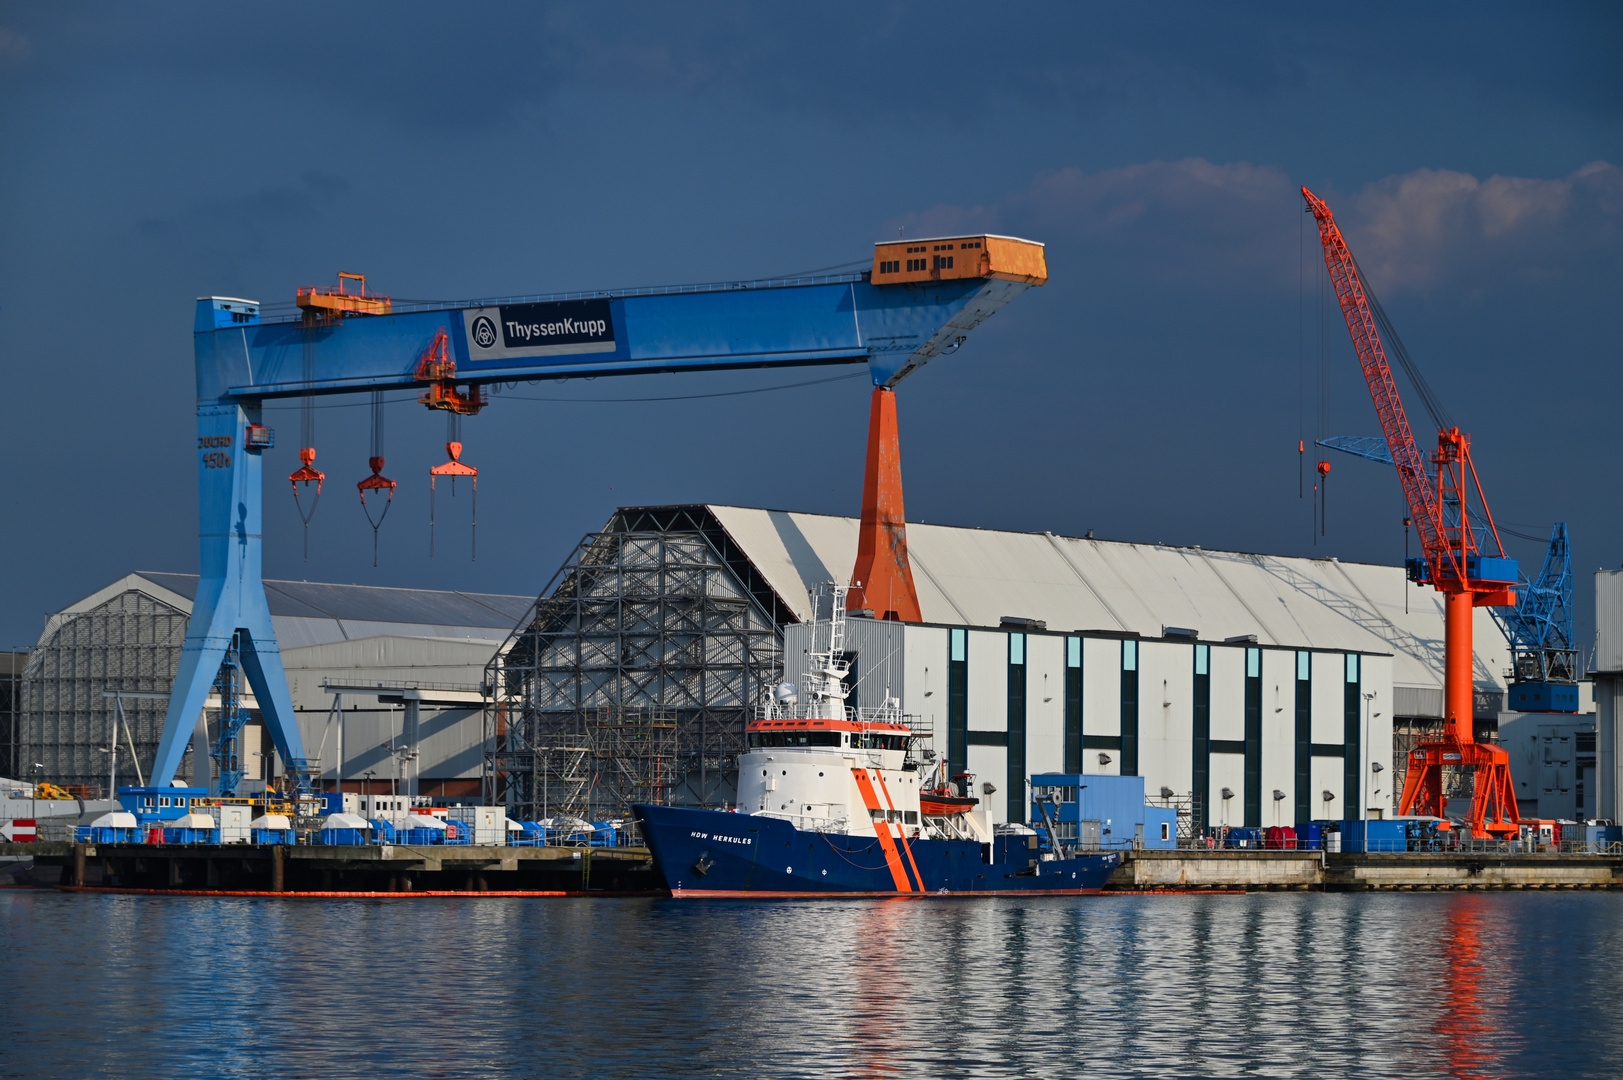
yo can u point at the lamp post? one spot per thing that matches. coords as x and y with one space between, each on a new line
1375 766
33 789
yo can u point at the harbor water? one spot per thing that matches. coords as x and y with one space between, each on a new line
1409 985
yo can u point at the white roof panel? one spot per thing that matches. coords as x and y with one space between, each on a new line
977 576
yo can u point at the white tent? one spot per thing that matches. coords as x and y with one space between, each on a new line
193 821
513 826
342 821
118 819
273 822
418 821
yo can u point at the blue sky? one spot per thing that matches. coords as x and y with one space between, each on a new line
1153 390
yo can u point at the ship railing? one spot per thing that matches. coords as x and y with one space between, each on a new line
807 822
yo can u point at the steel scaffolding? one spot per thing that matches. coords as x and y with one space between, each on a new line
130 642
631 677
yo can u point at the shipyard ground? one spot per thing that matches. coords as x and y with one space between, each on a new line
557 871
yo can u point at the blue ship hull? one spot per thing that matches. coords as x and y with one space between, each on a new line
711 853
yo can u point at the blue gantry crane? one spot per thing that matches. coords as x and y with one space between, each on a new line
920 299
1543 652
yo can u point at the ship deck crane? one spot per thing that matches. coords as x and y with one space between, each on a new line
920 299
1452 561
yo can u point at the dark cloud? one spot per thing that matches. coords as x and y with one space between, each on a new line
1151 390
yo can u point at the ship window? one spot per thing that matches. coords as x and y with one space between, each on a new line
911 816
895 815
877 814
760 739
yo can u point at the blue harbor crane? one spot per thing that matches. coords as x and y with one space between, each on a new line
1543 653
919 300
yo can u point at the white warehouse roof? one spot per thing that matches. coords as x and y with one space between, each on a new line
316 613
977 576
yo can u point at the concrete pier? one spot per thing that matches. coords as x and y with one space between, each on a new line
1264 870
388 868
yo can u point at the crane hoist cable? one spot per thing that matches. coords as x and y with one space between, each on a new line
307 473
377 481
437 368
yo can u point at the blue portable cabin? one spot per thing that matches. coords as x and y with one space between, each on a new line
1115 802
159 805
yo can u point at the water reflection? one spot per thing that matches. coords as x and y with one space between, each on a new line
1463 986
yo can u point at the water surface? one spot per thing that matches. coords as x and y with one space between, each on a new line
1413 985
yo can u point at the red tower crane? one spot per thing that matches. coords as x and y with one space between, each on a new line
1451 561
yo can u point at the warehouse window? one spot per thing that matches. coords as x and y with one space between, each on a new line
1352 772
1015 777
1304 735
1129 708
1073 704
957 700
1253 738
1202 724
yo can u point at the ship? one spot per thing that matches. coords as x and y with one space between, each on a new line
836 801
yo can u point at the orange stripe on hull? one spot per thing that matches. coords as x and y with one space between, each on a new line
893 859
906 847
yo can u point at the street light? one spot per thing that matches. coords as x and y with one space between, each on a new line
33 789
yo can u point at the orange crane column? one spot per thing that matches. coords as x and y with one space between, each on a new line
882 580
1459 698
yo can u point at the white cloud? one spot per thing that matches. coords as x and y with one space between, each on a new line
1234 223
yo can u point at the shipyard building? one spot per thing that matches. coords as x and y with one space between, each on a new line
360 662
1250 689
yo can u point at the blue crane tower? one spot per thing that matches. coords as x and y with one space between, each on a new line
909 308
1543 654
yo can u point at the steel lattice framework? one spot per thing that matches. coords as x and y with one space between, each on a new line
131 642
632 676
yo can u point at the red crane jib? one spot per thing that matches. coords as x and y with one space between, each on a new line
1452 562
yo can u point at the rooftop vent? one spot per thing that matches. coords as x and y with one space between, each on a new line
1022 623
1241 639
1179 632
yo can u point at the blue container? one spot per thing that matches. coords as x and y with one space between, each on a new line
1310 836
105 835
530 834
1367 836
272 836
342 837
421 837
1243 838
384 831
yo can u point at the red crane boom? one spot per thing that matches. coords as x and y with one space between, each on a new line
1451 563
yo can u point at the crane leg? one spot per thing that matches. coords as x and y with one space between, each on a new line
882 580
